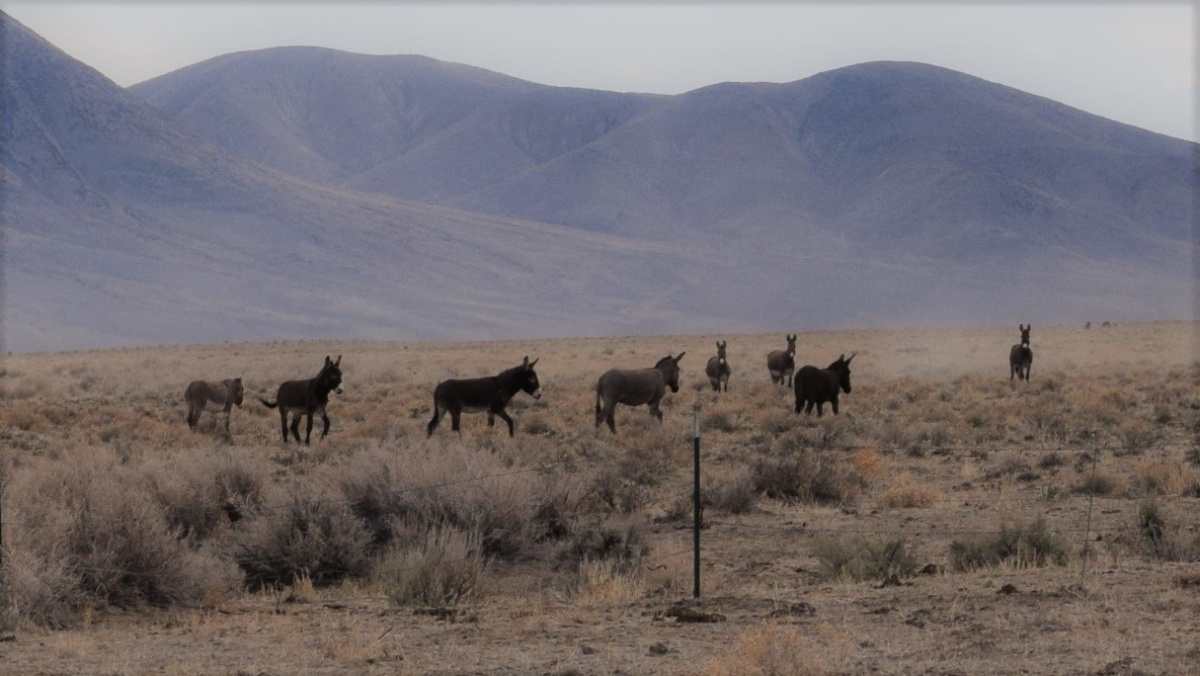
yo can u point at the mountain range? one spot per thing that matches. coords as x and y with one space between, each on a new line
305 192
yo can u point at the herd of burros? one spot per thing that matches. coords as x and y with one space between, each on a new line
813 387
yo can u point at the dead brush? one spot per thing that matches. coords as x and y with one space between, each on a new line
88 533
311 532
1161 538
202 496
860 559
808 476
734 493
444 567
1098 481
1021 545
446 483
906 493
769 649
1167 477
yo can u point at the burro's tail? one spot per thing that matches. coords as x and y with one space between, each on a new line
268 404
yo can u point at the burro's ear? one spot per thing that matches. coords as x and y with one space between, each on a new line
530 364
238 381
338 362
676 359
851 357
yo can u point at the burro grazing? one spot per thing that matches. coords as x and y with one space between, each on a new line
816 386
1020 357
307 397
717 369
636 387
202 395
781 363
477 395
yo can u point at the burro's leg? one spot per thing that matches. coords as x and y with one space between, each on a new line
503 415
437 415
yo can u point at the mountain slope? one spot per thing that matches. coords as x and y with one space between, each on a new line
121 227
407 126
877 158
874 195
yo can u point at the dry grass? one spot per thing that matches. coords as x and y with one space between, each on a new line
582 529
770 650
906 493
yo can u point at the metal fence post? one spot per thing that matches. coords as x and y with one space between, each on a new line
1087 530
696 501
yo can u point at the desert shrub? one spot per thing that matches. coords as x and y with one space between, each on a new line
1162 540
1022 545
735 495
1099 482
86 533
650 456
536 424
626 545
620 495
201 497
718 420
864 559
1136 436
1051 460
311 533
442 568
807 476
446 485
39 590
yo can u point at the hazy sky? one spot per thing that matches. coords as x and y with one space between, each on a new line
1131 62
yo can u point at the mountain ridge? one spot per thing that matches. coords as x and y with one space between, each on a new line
469 204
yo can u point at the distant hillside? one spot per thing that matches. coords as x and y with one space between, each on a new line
883 157
122 227
408 126
304 192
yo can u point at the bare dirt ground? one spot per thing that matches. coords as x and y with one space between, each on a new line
947 447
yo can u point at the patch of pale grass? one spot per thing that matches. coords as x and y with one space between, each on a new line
868 463
668 569
607 582
1168 477
770 650
906 493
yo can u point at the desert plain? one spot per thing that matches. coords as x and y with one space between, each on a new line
951 520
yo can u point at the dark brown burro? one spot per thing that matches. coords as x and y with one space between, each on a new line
636 387
202 395
717 369
307 397
1020 357
478 395
782 363
816 386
